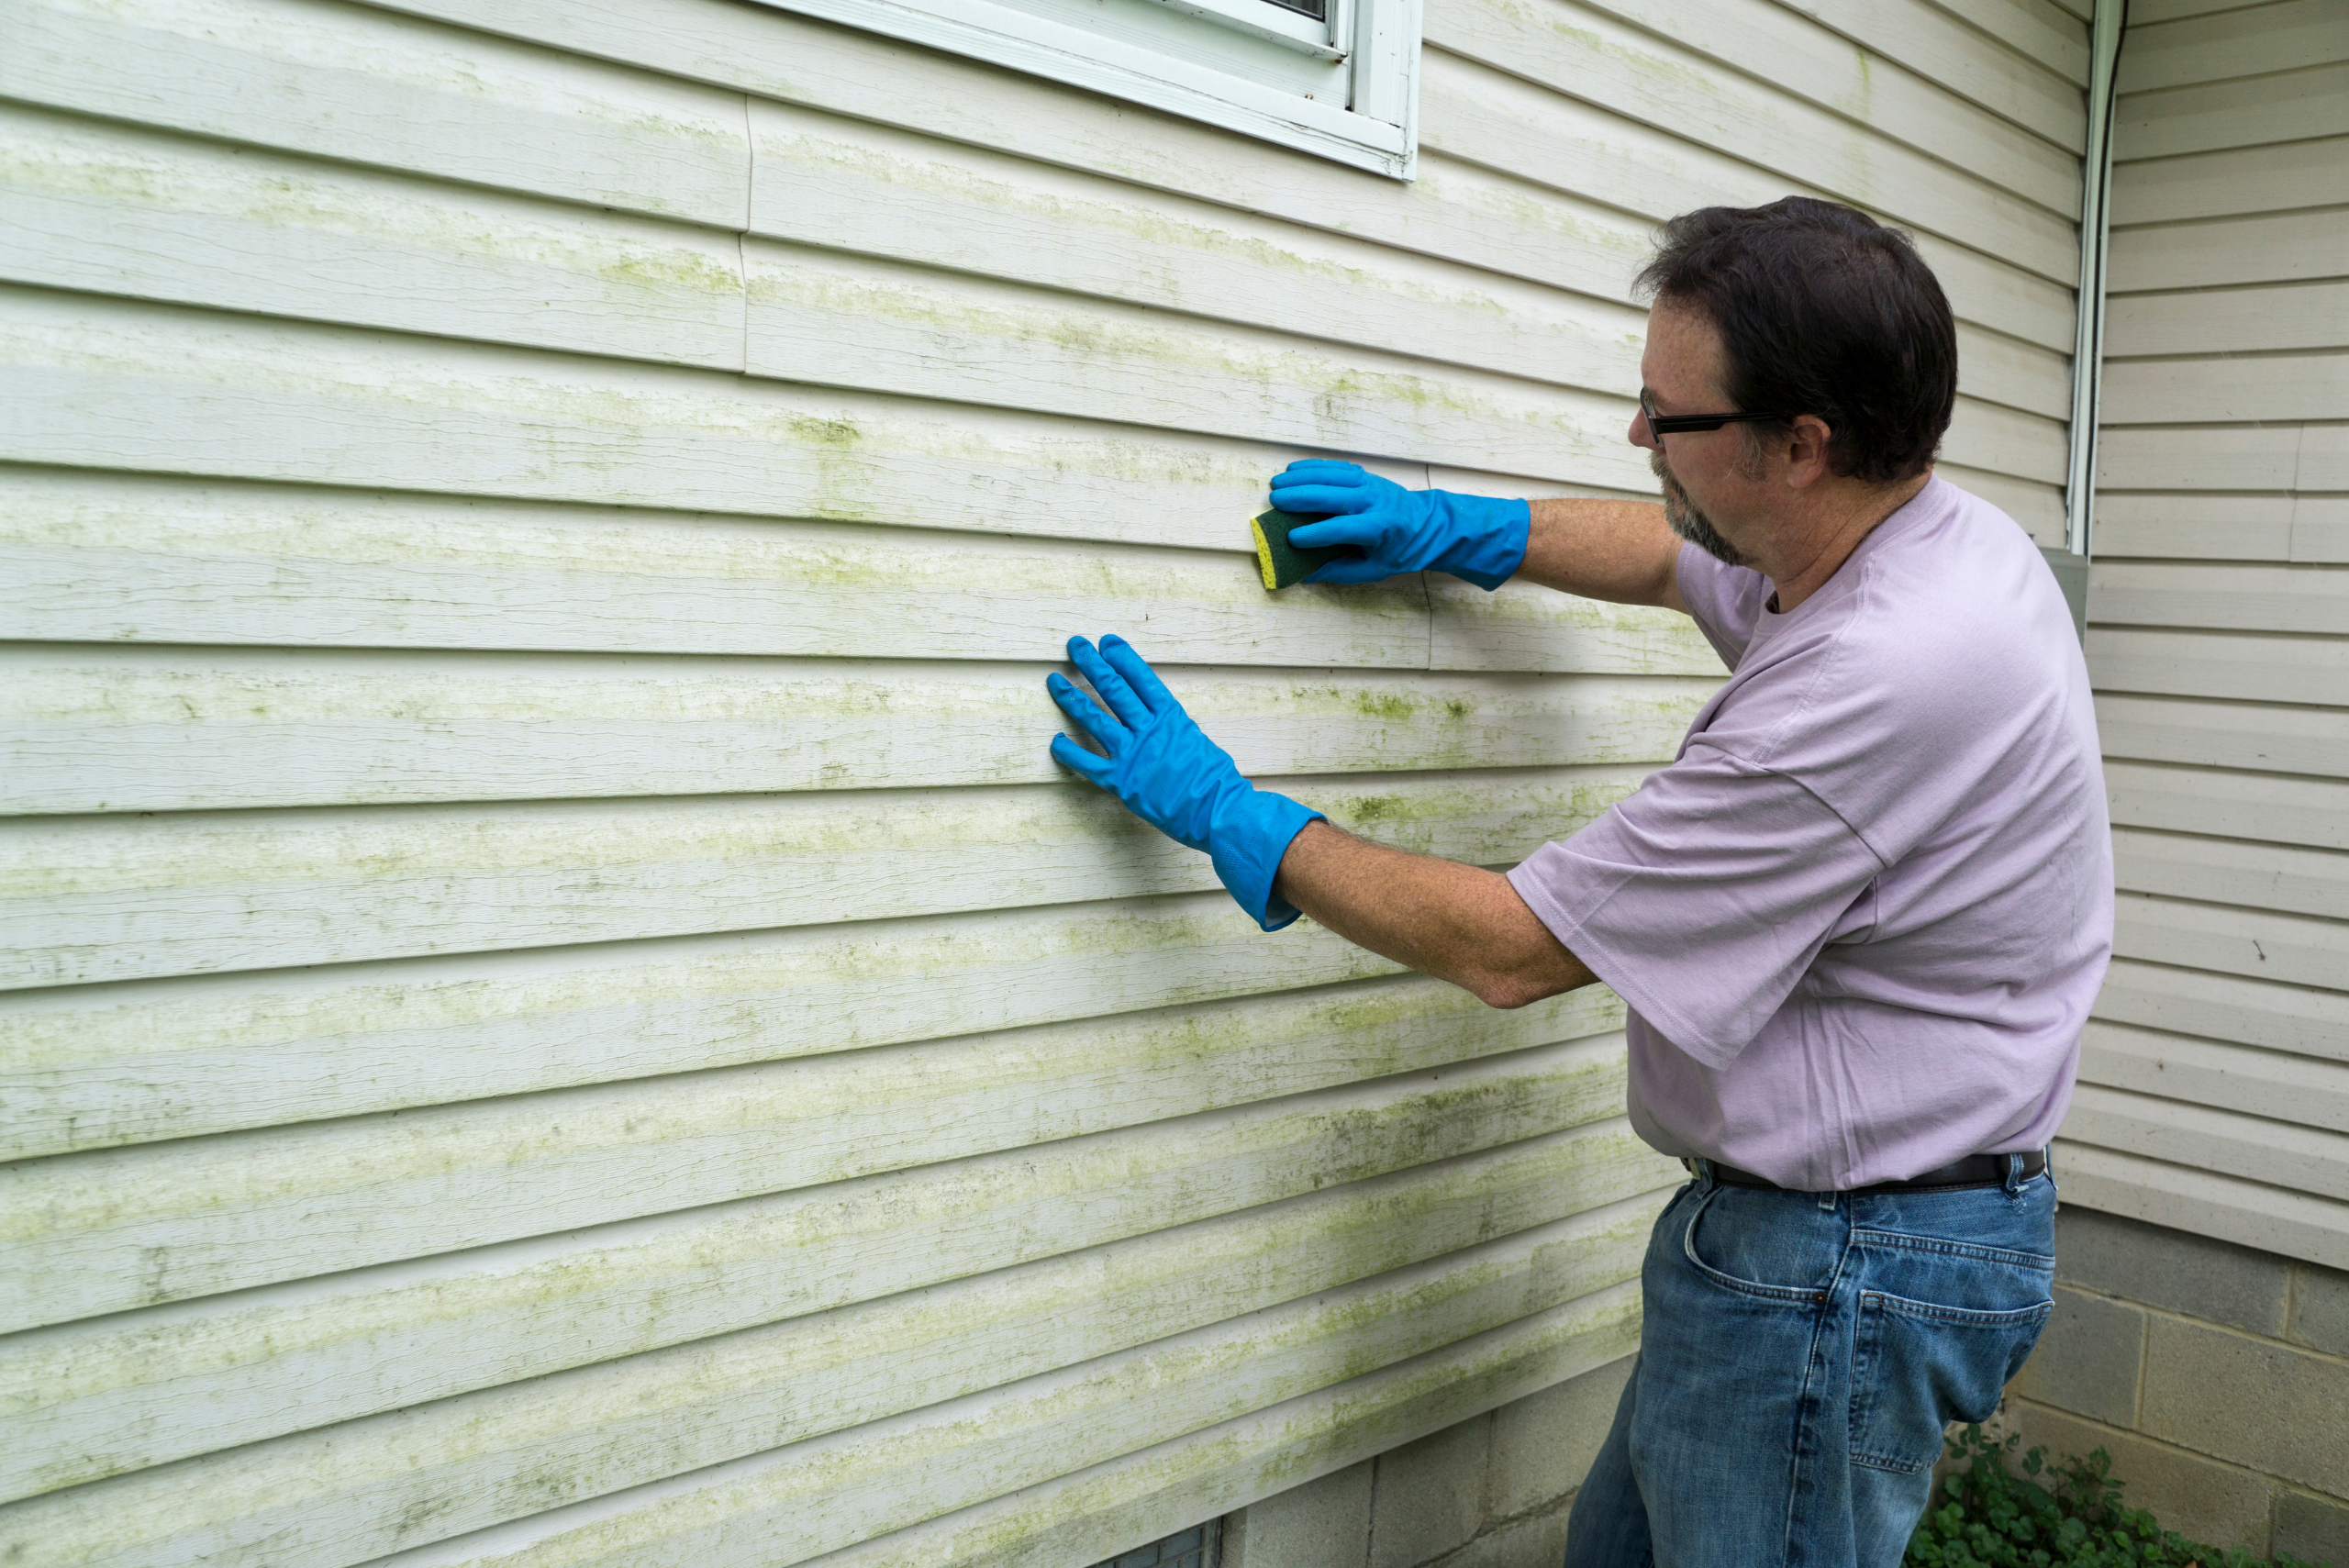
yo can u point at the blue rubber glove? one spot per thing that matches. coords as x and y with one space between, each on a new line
1472 537
1166 771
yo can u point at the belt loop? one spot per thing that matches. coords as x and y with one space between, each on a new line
1704 1169
1827 1201
2014 1175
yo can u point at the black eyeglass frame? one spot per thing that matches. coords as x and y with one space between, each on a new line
1689 424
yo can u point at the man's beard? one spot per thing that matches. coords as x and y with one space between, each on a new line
1687 521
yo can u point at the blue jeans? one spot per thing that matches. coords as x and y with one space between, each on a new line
1800 1354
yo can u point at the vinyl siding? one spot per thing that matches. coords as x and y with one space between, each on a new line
2214 1078
555 1008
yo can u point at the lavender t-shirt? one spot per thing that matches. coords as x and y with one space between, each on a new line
1860 919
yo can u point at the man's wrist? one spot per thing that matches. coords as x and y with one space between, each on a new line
1250 839
1491 535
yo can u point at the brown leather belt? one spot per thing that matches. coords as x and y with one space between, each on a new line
1974 1171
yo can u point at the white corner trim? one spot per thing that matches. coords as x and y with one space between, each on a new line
1040 46
2087 338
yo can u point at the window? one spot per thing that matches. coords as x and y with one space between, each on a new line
1333 77
1199 1547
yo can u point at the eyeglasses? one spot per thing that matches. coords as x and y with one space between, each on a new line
1673 424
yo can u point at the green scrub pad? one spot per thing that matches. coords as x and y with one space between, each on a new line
1281 561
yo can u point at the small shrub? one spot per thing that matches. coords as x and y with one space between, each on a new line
2066 1516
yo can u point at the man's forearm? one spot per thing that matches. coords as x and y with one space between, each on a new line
1620 551
1456 922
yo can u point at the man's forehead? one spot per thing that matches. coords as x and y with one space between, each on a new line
1683 353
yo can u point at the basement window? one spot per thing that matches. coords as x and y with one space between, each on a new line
1333 77
1199 1547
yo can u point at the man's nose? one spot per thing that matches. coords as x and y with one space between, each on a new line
1639 433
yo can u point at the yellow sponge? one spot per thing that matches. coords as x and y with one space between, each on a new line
1281 561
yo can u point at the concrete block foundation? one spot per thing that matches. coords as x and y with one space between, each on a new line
2216 1375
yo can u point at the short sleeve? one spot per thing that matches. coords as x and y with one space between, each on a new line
1703 898
1724 601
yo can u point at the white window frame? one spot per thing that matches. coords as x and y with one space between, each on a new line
1377 131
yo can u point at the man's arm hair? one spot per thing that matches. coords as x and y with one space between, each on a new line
1620 551
1459 923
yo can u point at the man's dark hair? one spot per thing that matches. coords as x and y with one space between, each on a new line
1822 310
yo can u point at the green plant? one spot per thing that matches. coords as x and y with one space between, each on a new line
2064 1515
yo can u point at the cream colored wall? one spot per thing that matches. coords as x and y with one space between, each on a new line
560 1012
2215 1094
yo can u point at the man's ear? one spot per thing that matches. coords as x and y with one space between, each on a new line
1806 451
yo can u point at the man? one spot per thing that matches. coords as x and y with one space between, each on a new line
1858 921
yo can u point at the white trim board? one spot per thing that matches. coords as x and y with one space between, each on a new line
1377 39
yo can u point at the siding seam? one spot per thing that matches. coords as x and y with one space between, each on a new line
741 235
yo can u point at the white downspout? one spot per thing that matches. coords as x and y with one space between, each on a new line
2087 351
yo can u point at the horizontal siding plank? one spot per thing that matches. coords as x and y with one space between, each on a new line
1994 368
354 83
877 327
2294 1018
1935 113
854 188
2262 944
2224 185
795 1503
2204 457
2227 1077
2251 1149
2232 321
2054 33
287 1358
2037 507
2251 112
2185 1196
2214 597
2320 528
1941 48
1636 75
111 899
2268 387
1482 117
96 1232
2151 11
89 557
2322 464
2171 526
1472 629
2220 664
105 730
2007 442
122 211
2250 43
2274 248
1150 1494
2225 871
147 388
2310 812
2224 735
178 1058
352 1492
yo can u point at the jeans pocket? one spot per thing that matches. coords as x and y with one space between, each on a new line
1918 1367
1770 1246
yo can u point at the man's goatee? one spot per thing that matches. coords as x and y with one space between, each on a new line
1687 521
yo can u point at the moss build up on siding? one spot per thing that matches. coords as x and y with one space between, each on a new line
557 1008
